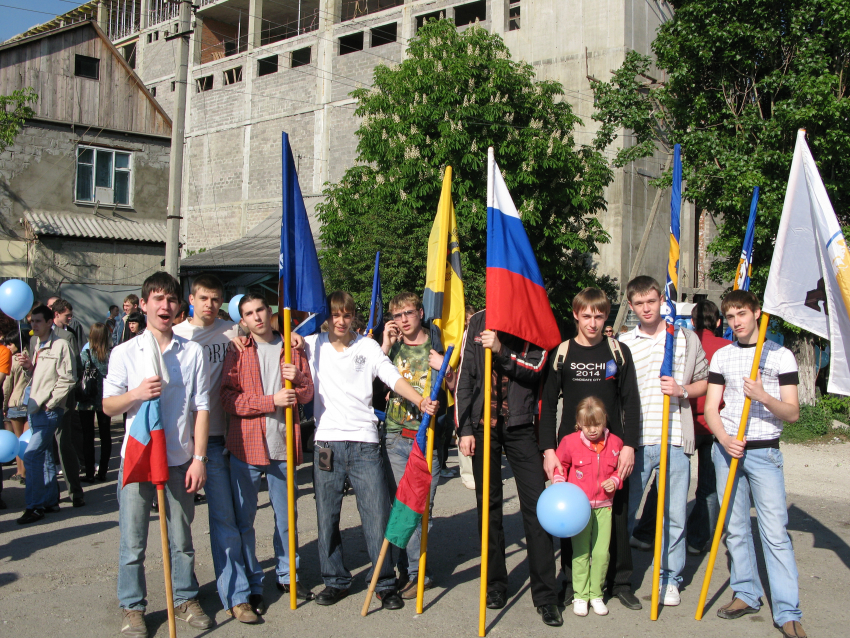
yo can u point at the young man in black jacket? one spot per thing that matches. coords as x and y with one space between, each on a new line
518 368
592 364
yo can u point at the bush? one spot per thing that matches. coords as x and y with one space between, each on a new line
815 420
838 405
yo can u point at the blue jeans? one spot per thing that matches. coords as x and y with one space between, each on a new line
245 481
134 514
42 488
363 464
706 508
647 458
225 540
398 451
760 474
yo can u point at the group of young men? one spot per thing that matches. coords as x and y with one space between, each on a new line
215 372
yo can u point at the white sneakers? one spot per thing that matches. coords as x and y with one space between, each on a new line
671 596
580 607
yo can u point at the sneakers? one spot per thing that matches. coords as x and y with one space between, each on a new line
599 607
243 613
580 607
449 472
408 592
671 596
133 623
694 551
30 516
639 544
191 613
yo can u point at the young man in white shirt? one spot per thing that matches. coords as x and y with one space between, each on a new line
690 379
344 365
774 402
186 394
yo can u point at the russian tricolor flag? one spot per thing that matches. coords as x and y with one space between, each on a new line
145 457
516 298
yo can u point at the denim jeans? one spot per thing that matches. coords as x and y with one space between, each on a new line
134 514
245 481
225 541
647 458
363 464
760 474
398 451
42 488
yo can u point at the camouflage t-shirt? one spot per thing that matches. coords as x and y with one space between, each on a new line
412 364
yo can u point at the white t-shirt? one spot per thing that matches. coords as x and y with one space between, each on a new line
342 383
215 341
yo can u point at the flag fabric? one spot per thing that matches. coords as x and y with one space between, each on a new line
301 285
443 301
145 457
376 308
516 297
671 293
809 280
745 265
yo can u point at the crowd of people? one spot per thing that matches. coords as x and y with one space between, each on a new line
589 412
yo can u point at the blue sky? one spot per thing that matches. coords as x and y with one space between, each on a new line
29 13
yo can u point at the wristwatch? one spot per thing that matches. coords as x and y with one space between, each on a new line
684 393
202 459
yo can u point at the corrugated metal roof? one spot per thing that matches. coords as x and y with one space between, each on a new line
95 226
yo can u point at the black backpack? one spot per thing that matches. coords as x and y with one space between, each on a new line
89 383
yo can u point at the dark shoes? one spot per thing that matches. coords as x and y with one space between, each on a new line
390 599
551 615
628 600
3 505
793 629
51 509
331 596
257 604
79 501
736 609
496 599
30 516
301 592
191 613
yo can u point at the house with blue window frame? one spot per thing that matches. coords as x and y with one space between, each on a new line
83 188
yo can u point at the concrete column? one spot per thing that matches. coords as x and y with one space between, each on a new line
196 43
102 14
329 14
498 16
255 24
408 26
144 4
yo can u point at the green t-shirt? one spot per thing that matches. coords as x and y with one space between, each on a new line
412 363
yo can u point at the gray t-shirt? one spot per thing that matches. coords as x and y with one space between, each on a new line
269 355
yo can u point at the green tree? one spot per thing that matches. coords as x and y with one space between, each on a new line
456 94
14 110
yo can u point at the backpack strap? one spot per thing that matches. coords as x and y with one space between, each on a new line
560 357
616 351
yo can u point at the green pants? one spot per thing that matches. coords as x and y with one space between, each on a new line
590 555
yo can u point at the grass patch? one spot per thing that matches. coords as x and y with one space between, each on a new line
815 421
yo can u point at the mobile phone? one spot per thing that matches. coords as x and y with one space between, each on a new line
326 458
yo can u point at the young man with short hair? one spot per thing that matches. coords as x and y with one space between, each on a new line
408 345
131 305
347 445
774 402
214 336
253 393
52 369
647 343
184 396
595 365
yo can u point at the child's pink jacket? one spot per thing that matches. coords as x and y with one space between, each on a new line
589 468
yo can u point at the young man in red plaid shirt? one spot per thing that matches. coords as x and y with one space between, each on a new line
252 393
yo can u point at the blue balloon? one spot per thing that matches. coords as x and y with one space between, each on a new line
563 510
191 310
15 298
24 441
8 446
233 308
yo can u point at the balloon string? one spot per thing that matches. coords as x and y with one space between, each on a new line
20 336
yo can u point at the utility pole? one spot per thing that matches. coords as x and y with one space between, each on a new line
178 125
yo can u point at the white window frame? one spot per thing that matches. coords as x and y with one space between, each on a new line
103 191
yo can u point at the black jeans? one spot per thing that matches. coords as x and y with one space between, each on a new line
70 442
104 432
520 446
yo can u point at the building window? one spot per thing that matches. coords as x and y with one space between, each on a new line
469 13
104 176
232 76
301 57
385 34
129 52
351 43
173 86
204 84
150 38
86 67
513 15
156 35
425 17
153 91
267 66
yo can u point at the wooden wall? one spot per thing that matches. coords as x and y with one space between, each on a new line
116 101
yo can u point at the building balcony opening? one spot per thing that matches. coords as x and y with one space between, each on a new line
357 8
469 13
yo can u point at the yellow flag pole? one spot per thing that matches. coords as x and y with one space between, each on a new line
733 469
659 514
485 493
423 543
290 465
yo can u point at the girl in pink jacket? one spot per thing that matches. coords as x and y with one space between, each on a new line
589 456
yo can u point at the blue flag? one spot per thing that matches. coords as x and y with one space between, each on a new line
376 308
671 288
745 264
301 285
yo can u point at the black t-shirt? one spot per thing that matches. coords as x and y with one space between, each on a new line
593 371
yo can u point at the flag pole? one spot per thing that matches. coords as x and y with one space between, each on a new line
290 465
659 513
166 560
485 494
733 469
375 574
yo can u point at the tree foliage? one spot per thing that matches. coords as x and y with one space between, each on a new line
738 79
14 110
456 94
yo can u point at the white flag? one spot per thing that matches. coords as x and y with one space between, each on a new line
809 281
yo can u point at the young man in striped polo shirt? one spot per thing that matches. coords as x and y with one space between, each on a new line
774 401
689 380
